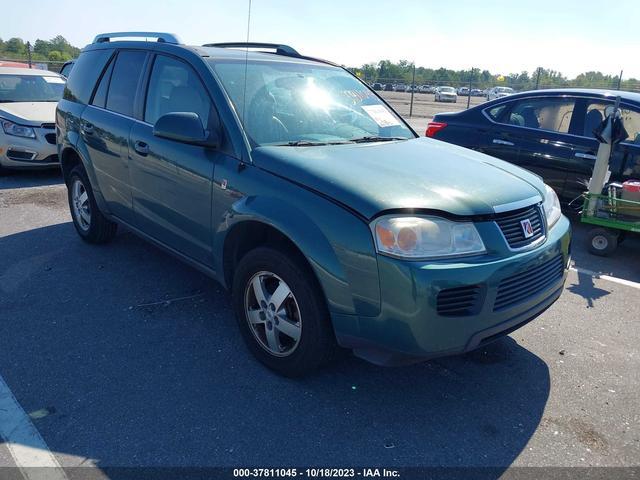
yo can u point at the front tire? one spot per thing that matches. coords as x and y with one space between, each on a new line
282 313
602 242
90 223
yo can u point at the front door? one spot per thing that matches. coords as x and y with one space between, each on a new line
172 181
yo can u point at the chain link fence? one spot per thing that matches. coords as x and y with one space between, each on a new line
419 99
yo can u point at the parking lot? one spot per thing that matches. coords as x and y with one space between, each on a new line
123 356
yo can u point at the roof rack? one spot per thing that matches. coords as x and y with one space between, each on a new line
279 48
160 36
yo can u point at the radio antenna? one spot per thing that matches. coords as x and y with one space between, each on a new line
246 63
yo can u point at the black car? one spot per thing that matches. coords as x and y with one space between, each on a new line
549 132
66 68
388 87
377 86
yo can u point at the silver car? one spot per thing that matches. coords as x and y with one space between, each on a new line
499 92
445 94
28 100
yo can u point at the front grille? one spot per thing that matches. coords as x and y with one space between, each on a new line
522 286
50 138
459 301
49 126
510 224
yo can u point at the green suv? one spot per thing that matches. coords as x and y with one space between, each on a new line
290 182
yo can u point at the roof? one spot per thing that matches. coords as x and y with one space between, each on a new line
27 71
583 92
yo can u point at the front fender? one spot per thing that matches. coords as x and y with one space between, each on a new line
337 245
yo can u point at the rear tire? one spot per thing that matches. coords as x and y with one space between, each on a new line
602 242
289 332
90 223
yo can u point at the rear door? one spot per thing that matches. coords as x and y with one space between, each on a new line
172 181
105 127
625 161
533 133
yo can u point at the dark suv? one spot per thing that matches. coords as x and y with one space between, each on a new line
295 186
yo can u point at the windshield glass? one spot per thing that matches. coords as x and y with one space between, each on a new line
30 88
447 89
289 103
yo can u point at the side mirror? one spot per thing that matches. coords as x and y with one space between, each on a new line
185 127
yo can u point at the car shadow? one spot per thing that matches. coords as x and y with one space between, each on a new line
30 178
139 362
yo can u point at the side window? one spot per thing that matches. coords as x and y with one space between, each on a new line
631 120
496 111
543 113
66 69
100 97
175 87
124 81
598 110
84 75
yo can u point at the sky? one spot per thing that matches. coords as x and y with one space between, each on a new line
500 36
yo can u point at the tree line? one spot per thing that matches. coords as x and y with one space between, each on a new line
57 49
386 71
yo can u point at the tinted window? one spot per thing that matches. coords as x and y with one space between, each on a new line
124 81
100 97
175 87
543 113
84 75
597 111
495 112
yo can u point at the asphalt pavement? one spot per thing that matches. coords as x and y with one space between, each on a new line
124 356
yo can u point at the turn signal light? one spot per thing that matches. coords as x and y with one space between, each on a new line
434 127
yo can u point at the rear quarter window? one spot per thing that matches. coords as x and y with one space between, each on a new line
84 75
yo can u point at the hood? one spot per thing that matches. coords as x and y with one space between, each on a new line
29 113
413 174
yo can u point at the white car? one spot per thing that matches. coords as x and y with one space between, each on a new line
28 100
445 94
499 92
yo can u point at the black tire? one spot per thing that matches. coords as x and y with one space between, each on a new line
99 229
602 242
316 345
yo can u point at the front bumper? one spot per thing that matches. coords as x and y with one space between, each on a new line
411 326
39 152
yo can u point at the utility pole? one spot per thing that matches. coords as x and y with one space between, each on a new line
413 82
29 53
469 92
538 78
620 79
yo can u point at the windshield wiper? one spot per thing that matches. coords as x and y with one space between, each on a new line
373 138
309 143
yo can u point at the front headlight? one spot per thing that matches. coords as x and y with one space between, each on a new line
425 237
551 206
16 130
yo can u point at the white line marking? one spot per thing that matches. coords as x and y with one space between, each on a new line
28 449
621 281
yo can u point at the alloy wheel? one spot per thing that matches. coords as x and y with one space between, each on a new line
80 204
273 313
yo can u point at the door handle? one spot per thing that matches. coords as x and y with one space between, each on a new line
87 128
588 156
141 147
497 141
